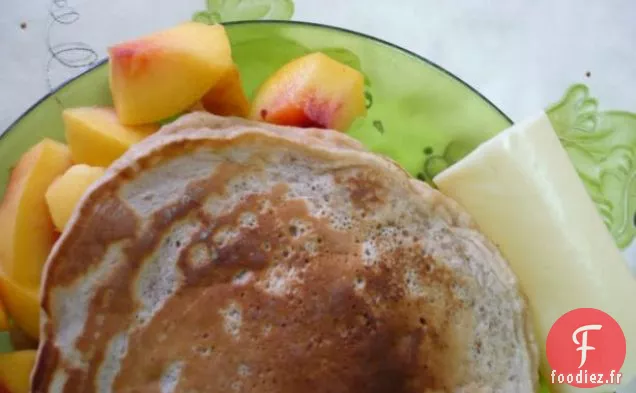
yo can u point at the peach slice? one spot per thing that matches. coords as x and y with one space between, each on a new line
96 137
26 227
227 97
165 73
4 320
23 305
20 340
311 91
65 192
15 371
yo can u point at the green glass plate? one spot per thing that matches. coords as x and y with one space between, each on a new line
419 114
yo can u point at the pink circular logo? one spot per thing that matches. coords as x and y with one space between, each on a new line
586 348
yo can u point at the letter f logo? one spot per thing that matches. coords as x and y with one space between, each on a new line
574 335
584 347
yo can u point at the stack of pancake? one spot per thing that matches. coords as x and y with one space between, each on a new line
222 255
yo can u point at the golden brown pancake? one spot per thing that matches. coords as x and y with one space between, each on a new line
222 255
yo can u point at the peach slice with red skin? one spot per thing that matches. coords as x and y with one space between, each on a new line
163 74
311 91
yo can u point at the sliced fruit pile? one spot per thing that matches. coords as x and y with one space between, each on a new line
190 66
154 78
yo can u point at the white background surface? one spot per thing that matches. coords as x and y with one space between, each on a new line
521 54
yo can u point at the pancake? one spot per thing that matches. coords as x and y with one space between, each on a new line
223 255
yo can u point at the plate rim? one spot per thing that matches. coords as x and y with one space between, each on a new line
103 61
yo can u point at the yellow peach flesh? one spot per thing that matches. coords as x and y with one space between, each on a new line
96 137
163 74
311 91
65 192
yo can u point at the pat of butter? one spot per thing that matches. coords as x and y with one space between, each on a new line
524 193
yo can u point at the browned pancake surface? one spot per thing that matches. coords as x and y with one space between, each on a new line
254 263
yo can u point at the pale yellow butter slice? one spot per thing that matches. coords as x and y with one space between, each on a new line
526 196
